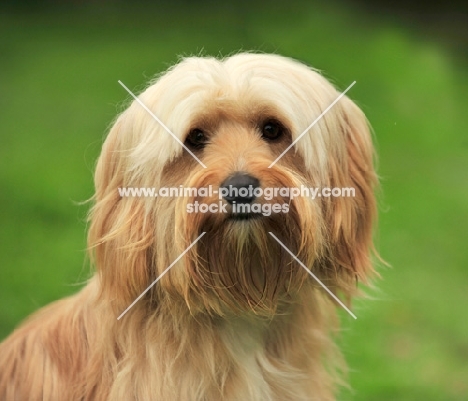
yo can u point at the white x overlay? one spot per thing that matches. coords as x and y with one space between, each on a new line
161 275
203 233
311 125
313 275
161 123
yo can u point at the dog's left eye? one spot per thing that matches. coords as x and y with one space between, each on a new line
272 130
196 138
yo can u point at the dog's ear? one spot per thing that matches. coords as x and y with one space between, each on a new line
350 220
120 232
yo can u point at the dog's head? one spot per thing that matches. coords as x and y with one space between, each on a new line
236 116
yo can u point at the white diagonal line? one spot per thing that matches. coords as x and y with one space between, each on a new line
160 276
311 125
313 275
161 123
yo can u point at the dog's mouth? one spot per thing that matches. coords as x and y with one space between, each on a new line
245 216
245 211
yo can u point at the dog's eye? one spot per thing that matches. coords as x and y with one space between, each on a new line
272 130
196 138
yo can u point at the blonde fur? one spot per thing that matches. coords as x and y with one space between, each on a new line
237 318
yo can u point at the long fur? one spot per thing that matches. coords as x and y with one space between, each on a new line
236 318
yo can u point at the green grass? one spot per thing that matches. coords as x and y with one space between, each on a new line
59 92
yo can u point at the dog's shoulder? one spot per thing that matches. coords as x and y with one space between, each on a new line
44 356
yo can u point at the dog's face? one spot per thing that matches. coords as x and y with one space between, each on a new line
236 116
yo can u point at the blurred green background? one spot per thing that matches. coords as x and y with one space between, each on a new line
59 68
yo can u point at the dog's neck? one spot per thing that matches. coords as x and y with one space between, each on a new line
229 356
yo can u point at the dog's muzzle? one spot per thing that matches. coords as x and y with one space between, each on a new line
239 191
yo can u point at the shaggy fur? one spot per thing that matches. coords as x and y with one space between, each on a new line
236 318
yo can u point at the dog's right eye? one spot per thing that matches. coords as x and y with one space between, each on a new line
272 130
196 138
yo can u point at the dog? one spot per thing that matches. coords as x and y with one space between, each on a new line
237 316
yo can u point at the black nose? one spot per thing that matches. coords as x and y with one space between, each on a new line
239 188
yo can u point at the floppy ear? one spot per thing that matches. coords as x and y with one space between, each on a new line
120 233
350 220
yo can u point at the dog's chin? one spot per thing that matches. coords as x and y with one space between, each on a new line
240 268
